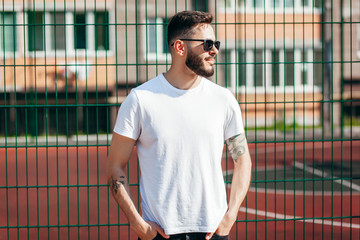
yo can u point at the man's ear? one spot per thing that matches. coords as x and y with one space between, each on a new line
179 47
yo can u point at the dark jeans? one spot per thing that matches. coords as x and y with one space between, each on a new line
191 236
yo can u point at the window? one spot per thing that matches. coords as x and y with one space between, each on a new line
80 30
240 3
58 30
8 32
259 68
200 5
304 67
242 67
295 4
102 30
318 3
319 67
289 3
305 2
259 3
284 69
275 68
157 36
36 31
275 4
289 68
151 35
234 4
68 31
265 5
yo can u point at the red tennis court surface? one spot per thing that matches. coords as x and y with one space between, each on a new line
61 193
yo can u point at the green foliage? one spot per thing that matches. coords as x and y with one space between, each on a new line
282 126
351 121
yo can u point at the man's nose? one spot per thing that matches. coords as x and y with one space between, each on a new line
213 51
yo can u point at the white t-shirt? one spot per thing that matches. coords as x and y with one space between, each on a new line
180 138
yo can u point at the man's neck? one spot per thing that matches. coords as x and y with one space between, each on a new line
184 80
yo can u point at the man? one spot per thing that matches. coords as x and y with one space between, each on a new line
179 121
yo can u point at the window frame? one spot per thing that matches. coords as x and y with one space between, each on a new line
103 27
52 28
10 54
231 6
160 53
267 77
44 33
70 50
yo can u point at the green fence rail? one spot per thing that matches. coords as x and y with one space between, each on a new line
66 66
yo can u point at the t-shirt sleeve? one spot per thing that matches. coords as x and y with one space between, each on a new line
128 118
234 123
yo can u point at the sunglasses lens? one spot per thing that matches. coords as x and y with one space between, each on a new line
217 45
208 44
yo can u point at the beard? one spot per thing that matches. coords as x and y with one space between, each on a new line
196 64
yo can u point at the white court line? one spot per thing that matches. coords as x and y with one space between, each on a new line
301 192
292 192
289 217
315 171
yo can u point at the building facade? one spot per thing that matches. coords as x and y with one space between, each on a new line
274 51
271 54
348 51
56 55
67 65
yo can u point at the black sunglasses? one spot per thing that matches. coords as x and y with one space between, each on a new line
208 43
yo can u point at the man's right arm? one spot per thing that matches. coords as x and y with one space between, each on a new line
119 154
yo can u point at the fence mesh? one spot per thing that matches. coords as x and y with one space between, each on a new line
66 66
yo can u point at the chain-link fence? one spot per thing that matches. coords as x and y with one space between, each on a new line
66 66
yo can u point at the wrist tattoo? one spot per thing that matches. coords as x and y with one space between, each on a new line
237 146
116 183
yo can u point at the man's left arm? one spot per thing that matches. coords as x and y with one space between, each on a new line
239 151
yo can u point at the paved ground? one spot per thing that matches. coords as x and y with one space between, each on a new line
300 189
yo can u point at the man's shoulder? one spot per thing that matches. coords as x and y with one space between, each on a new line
147 90
217 88
150 84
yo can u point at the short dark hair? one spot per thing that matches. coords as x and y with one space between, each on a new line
183 22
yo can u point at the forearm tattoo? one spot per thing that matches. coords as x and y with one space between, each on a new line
237 146
116 183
